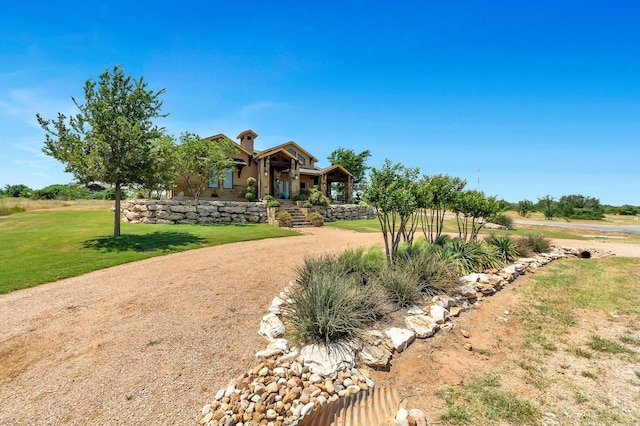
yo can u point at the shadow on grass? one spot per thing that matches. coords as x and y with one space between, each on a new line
155 241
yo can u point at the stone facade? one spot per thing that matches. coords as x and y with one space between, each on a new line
186 211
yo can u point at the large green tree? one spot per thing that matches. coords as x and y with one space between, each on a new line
162 175
356 164
111 138
201 160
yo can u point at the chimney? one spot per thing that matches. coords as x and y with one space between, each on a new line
246 140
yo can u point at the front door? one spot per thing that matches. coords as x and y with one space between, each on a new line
284 189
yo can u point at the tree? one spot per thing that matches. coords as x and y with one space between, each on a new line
202 160
16 191
161 176
441 192
525 207
580 207
356 164
392 192
547 205
473 209
111 138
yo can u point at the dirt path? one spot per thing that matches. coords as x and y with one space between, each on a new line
148 342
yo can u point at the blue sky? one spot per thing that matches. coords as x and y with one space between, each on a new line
521 98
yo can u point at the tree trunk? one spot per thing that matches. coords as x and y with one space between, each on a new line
116 218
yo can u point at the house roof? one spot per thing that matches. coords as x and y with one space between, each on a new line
220 136
271 151
336 167
296 146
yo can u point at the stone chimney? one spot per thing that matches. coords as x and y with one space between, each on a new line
246 140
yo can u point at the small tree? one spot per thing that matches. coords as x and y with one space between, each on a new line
201 160
547 205
473 209
161 176
440 194
525 207
392 192
111 139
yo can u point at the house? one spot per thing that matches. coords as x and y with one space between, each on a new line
281 171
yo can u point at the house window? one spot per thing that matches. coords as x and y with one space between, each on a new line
292 151
302 159
214 181
227 181
303 185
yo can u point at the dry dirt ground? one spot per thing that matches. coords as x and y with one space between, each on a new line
150 342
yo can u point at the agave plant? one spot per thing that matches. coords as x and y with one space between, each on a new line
507 249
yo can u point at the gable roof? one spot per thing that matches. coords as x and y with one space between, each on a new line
220 136
272 151
336 167
296 146
251 132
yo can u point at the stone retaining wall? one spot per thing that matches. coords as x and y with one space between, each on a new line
347 212
185 211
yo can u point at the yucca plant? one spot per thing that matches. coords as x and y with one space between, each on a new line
507 249
469 256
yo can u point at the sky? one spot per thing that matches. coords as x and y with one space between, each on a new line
522 99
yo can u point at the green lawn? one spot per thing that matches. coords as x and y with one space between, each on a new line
45 245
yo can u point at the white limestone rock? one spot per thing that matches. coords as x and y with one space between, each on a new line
439 314
401 338
271 327
422 325
275 347
327 360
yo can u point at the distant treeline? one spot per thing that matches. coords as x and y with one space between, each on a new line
59 192
572 207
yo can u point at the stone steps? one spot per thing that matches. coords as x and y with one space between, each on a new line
299 219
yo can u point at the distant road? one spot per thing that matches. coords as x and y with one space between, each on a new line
624 229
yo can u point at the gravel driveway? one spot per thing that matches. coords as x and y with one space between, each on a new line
147 342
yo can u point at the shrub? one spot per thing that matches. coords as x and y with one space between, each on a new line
267 198
62 192
328 305
317 198
315 218
273 203
307 205
16 191
284 218
250 196
506 247
502 219
533 243
525 207
252 189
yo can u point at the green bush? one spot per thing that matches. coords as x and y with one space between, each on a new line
506 247
110 194
250 196
317 198
62 192
284 218
502 219
315 218
533 243
267 198
273 203
307 205
16 191
328 305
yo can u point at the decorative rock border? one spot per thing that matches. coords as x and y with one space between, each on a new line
289 383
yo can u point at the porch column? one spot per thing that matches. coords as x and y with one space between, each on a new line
294 179
349 189
265 177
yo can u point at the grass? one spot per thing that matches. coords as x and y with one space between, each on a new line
483 402
607 346
42 246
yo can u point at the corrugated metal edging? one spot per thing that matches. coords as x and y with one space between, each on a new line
367 408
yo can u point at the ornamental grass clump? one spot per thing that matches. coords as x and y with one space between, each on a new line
328 305
401 285
533 243
365 264
434 275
